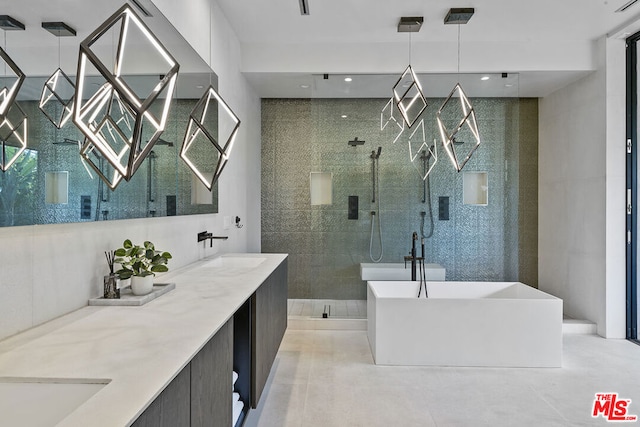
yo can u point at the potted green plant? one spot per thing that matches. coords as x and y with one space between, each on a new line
140 263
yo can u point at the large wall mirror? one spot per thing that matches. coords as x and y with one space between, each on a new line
49 182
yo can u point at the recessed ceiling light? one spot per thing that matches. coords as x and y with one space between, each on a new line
199 87
508 85
304 86
485 78
344 116
348 79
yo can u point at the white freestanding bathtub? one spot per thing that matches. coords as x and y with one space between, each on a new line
464 324
398 271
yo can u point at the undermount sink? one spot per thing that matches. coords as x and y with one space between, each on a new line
43 402
235 262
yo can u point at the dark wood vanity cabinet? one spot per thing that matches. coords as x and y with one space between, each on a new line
211 380
269 314
171 407
201 394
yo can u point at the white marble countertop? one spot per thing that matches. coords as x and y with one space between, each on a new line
139 349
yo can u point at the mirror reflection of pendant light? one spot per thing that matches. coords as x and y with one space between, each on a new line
105 170
56 101
200 133
210 121
12 74
407 92
99 115
456 117
13 135
420 149
387 116
78 144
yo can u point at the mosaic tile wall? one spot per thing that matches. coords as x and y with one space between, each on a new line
170 176
476 243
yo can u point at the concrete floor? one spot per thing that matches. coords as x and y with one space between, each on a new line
327 378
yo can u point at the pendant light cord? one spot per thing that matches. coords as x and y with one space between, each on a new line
210 37
5 51
409 47
458 52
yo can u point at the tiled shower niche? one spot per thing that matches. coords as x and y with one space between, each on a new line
493 242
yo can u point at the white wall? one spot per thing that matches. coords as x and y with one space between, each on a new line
240 182
581 179
51 270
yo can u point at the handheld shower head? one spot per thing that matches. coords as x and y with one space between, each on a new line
379 150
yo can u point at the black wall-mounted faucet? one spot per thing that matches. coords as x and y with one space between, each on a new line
204 235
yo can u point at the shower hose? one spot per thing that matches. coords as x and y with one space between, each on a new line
373 223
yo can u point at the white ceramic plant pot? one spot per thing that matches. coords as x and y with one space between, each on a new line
141 285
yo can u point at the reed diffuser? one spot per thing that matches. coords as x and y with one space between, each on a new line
111 290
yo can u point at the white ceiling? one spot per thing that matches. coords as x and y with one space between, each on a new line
548 43
545 43
38 53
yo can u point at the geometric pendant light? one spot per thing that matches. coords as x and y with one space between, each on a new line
387 117
409 97
407 92
13 135
210 121
107 173
56 101
420 148
8 92
456 117
114 116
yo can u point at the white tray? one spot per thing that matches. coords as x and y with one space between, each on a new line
128 298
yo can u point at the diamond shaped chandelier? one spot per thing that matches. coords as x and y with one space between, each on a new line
11 83
456 117
56 101
420 149
457 125
121 124
408 95
387 117
103 168
13 135
210 121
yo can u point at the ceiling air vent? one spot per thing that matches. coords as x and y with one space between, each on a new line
304 7
626 6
